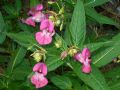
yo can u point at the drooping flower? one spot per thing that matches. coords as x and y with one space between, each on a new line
84 58
86 53
41 68
29 21
39 7
47 25
86 68
44 37
36 9
78 56
38 17
39 80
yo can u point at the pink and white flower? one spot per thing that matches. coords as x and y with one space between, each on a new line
84 58
36 9
38 17
44 37
41 68
47 25
29 21
39 80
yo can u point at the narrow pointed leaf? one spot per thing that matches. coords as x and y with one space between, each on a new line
78 24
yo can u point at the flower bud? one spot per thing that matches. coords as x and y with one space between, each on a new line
58 43
37 55
72 52
52 18
57 23
61 10
63 55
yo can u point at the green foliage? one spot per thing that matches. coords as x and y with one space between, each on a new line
95 79
78 24
107 54
93 3
2 29
62 82
16 59
91 12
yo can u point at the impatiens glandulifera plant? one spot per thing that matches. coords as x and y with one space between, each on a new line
64 38
44 37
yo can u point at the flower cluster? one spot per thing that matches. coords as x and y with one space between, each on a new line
44 36
39 79
84 58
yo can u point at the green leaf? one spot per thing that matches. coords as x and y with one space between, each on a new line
2 29
33 3
78 24
91 12
93 3
22 70
106 55
60 39
95 46
25 39
94 79
115 85
10 10
17 59
25 27
2 38
18 5
62 82
68 37
85 87
76 84
112 75
53 63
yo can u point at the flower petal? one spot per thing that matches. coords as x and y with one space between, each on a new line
47 25
39 80
41 68
29 21
79 57
86 68
39 7
43 38
38 17
86 53
51 26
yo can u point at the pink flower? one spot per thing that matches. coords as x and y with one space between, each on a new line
39 7
86 68
44 37
41 68
38 17
36 9
39 80
29 21
79 57
86 53
84 59
47 25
